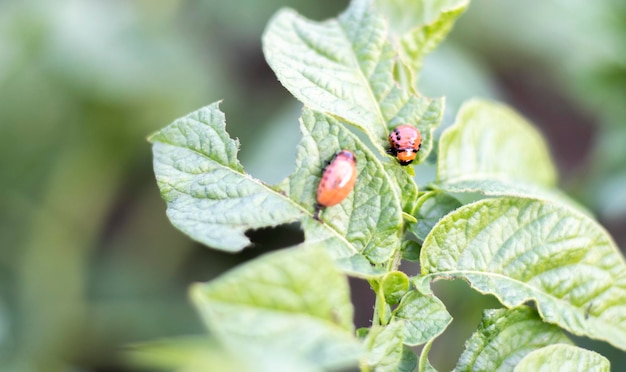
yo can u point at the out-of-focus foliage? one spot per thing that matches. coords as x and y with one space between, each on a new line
88 261
84 251
577 50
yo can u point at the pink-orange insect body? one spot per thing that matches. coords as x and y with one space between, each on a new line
405 141
337 181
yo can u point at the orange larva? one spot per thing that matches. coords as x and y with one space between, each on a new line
337 181
405 141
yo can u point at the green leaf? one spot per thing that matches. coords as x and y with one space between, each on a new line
418 26
403 184
493 151
491 141
394 285
500 187
422 316
408 360
431 207
208 195
182 352
191 354
212 200
411 250
563 358
385 349
504 337
345 67
530 250
292 302
369 220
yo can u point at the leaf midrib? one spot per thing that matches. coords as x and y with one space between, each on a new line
361 74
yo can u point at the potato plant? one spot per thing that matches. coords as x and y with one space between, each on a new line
493 217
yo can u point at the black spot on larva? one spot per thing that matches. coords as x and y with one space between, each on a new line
398 137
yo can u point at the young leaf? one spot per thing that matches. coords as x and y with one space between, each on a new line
292 302
525 249
208 195
431 207
394 286
369 220
563 358
423 317
385 349
408 360
490 141
345 67
504 337
411 250
419 26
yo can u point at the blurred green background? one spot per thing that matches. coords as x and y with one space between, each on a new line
88 260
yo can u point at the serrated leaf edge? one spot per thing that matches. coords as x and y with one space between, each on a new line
464 273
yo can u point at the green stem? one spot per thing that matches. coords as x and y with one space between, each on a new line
394 262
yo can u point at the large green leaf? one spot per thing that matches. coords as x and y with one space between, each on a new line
211 199
491 150
369 221
563 357
418 26
502 187
490 141
526 249
504 337
345 67
208 195
292 303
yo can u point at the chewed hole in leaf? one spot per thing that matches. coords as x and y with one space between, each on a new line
363 298
276 237
465 305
